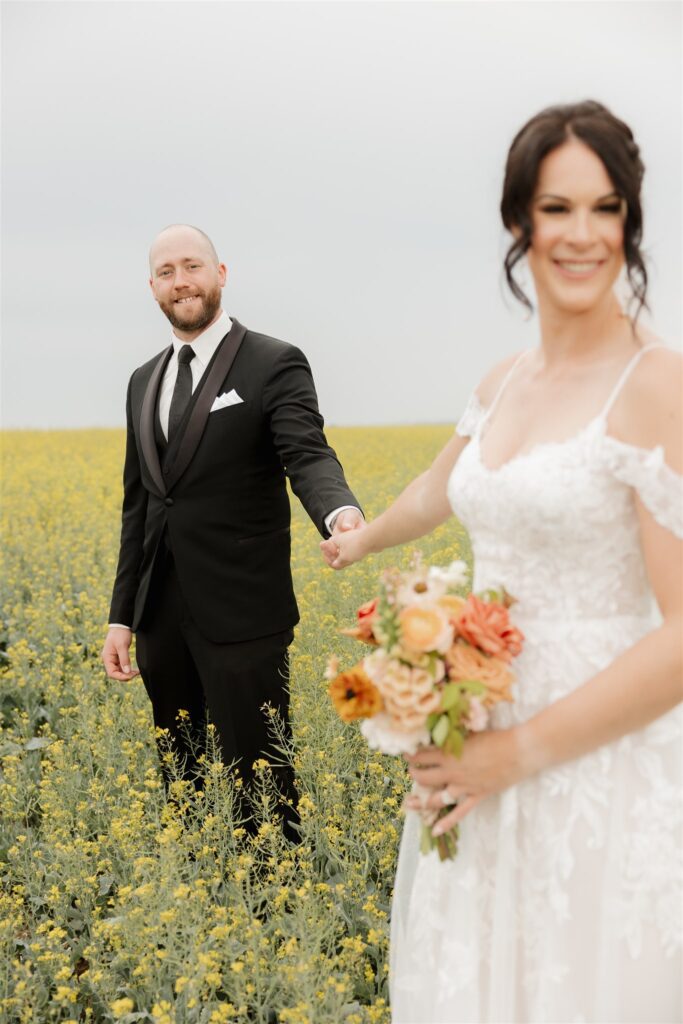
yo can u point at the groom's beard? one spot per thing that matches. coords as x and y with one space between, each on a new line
198 315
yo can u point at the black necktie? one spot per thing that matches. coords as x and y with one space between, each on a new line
182 392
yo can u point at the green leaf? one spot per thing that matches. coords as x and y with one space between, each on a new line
432 720
441 730
449 696
455 743
105 884
457 712
388 620
37 743
426 840
472 686
15 748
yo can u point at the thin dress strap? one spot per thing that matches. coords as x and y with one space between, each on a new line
506 380
626 373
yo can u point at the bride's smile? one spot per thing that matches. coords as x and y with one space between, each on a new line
577 240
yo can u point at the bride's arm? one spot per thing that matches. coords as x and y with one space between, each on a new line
637 687
418 510
422 506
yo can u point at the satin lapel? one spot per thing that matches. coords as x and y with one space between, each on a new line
147 442
200 412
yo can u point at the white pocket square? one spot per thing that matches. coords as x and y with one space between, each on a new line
225 400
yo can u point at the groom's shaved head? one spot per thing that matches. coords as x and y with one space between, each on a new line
183 233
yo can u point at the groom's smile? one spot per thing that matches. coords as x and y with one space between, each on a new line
186 280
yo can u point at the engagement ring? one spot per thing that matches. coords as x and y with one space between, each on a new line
446 799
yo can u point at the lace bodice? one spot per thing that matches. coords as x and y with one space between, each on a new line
558 526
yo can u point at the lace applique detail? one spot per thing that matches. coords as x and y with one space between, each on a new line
471 419
659 487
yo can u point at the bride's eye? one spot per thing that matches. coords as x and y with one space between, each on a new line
609 208
554 208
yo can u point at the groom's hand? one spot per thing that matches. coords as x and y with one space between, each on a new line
116 654
349 519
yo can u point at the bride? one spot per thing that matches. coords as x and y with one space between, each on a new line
563 903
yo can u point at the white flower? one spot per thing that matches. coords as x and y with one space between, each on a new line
382 736
419 587
455 575
332 670
377 664
478 717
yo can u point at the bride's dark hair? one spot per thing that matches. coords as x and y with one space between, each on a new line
610 139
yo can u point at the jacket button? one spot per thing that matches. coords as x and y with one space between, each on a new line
168 502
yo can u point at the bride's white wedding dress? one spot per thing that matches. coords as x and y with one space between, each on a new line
564 901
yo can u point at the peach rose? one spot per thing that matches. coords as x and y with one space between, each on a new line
425 628
486 624
409 695
354 695
465 662
453 606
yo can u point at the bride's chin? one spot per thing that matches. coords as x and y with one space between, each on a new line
572 304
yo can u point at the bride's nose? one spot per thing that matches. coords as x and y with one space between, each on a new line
581 227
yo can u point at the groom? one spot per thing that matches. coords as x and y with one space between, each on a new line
216 423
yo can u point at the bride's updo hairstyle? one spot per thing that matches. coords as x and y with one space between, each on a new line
610 139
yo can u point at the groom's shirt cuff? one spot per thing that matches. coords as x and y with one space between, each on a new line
330 518
119 625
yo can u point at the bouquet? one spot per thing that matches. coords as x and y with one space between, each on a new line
440 663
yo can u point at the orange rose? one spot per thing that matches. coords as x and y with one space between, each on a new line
354 695
465 662
486 624
366 616
425 628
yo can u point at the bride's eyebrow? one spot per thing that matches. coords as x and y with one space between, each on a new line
563 199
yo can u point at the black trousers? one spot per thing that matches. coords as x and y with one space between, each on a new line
182 669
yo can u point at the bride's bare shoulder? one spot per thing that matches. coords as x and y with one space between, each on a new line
488 387
648 410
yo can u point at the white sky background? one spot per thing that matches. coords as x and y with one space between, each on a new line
346 159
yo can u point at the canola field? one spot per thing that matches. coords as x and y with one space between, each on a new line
116 906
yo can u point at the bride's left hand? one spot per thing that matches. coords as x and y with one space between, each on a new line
491 761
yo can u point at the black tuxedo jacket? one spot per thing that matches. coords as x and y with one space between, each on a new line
220 488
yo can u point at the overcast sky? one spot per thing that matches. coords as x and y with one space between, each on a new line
346 159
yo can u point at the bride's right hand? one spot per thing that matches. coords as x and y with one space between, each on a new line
344 549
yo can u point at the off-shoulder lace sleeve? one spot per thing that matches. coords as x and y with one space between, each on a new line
469 422
658 486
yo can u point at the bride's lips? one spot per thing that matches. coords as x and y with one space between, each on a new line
578 270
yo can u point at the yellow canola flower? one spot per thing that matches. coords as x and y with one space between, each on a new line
107 838
120 1007
161 1012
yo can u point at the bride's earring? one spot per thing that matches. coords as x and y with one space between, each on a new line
623 290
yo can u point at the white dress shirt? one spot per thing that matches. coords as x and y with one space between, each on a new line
204 347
